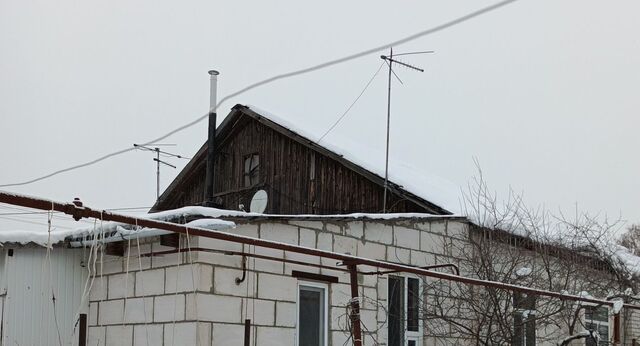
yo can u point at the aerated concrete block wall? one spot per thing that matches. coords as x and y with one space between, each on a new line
193 299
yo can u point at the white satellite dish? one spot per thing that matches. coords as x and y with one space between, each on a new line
259 202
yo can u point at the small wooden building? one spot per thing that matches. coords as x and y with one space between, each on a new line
257 152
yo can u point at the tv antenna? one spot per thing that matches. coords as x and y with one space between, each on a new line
158 161
390 61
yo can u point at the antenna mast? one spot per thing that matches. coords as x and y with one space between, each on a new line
390 61
158 162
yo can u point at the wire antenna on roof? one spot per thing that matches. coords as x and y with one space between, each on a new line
390 61
158 161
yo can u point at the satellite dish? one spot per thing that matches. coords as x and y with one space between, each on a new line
259 202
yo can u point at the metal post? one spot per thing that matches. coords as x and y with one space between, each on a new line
356 329
82 333
386 159
247 332
157 173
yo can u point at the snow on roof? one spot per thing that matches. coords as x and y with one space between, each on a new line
114 231
35 237
436 190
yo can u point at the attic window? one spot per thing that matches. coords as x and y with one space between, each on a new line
251 170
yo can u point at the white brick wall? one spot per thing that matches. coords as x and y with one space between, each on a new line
216 313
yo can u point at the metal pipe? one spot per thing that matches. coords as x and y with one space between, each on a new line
356 328
235 253
78 211
455 268
211 140
386 157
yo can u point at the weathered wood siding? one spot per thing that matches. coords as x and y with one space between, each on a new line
298 179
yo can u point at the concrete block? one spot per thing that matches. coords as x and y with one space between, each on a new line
279 232
119 336
307 238
111 312
406 237
138 310
369 298
216 244
246 229
377 232
187 334
98 288
333 228
315 225
432 242
147 335
382 288
354 229
110 265
345 245
325 241
93 314
271 336
262 312
422 259
224 282
150 282
303 258
214 308
269 266
134 260
168 308
398 255
96 336
229 334
286 314
182 278
438 227
121 285
281 288
340 337
457 229
371 250
340 295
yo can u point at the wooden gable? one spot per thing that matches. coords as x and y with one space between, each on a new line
299 176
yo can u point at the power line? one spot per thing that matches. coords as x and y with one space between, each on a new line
31 222
270 80
352 104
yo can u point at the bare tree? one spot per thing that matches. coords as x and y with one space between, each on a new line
512 243
631 239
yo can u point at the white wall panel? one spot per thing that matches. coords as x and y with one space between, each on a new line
31 315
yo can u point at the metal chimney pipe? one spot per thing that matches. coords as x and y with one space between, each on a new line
211 140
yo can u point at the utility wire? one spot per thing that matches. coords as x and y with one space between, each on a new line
352 104
270 80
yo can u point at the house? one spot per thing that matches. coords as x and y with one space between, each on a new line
150 287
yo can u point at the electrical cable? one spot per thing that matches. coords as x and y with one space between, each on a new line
278 77
352 104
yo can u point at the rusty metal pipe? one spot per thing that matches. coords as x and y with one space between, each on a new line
79 211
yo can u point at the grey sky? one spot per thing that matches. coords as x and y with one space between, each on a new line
542 93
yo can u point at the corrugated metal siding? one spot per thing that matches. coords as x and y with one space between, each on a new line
31 281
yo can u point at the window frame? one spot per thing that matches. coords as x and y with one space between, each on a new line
325 288
597 323
247 174
408 336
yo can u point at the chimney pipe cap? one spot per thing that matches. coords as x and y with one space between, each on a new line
214 72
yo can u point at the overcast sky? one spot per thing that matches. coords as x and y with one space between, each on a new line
543 93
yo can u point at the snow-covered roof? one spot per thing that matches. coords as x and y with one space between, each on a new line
203 217
114 231
429 187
